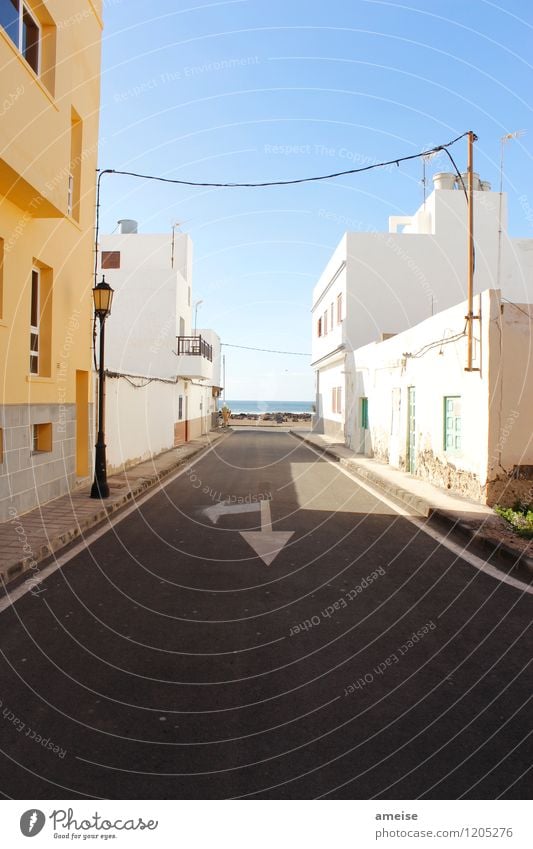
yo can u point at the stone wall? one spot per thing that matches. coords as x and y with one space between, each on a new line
29 478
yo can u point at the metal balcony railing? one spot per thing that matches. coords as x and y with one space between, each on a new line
194 346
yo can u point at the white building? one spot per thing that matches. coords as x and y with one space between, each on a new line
379 284
414 406
163 379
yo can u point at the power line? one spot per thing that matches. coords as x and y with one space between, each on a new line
175 181
266 350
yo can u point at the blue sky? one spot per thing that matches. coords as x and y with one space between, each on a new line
256 90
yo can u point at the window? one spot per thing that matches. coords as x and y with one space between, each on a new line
41 320
35 321
110 259
23 30
339 308
319 327
76 159
180 407
364 413
336 399
452 423
70 196
41 437
325 323
331 316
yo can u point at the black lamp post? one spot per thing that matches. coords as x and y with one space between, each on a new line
103 296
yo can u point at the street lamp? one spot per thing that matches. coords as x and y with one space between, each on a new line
197 304
102 296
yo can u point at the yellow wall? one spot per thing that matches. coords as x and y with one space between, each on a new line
45 121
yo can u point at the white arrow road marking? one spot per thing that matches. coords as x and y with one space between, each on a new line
221 508
267 543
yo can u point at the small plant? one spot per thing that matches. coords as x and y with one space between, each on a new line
519 516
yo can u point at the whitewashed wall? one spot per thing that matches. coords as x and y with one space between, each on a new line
139 421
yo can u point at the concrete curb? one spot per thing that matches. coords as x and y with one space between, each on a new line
55 543
504 552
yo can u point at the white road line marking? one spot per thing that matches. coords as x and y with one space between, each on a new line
457 549
37 579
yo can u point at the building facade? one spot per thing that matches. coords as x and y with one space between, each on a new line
163 374
414 405
379 284
50 74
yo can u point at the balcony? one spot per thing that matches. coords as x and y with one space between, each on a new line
195 357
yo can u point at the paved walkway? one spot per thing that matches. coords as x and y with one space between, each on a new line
474 521
32 537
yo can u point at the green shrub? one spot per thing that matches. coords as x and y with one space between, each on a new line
519 516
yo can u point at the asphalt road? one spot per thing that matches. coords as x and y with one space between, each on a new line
357 658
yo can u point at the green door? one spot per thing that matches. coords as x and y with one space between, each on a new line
411 430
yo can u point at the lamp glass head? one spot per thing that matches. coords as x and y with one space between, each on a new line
103 297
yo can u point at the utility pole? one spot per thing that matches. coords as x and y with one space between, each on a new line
470 252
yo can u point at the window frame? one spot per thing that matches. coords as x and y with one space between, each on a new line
339 308
364 413
336 400
457 433
41 438
24 9
35 329
110 260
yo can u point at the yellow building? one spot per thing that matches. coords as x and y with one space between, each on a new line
49 107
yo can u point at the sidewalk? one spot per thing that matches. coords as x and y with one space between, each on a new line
474 522
32 537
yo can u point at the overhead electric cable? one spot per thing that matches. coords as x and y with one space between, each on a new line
267 350
202 184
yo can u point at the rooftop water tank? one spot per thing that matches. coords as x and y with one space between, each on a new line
444 180
476 182
128 225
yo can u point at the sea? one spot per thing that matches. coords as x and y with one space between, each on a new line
237 406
